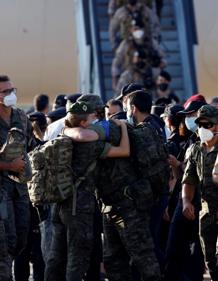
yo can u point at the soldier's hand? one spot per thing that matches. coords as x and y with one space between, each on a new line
173 161
17 165
188 210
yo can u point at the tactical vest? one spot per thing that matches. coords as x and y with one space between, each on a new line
204 162
18 145
52 179
151 155
13 148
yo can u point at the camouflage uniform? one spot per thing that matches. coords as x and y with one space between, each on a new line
5 259
72 239
121 22
198 172
113 5
127 200
134 75
17 221
127 48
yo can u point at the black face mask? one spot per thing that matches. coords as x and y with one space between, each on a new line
132 2
163 86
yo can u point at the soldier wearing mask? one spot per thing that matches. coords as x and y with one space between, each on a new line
122 21
163 88
72 239
138 72
198 174
145 145
117 179
114 5
137 40
16 221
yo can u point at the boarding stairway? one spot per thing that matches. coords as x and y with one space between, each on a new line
178 42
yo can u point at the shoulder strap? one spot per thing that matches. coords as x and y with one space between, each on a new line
77 183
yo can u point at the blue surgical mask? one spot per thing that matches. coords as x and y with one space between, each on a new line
130 119
190 124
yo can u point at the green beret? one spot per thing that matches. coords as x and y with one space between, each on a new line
81 107
209 113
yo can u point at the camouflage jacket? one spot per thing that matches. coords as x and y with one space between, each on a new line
113 5
198 172
131 75
119 177
124 53
18 120
121 22
84 155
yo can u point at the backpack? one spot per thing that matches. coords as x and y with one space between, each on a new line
13 148
52 179
151 155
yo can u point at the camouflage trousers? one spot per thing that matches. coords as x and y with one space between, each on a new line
127 239
209 233
71 245
5 260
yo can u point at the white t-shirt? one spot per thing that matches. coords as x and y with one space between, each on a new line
54 129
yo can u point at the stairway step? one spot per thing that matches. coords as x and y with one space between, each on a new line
103 2
167 23
171 46
102 11
177 83
167 11
106 46
104 35
175 70
173 58
169 35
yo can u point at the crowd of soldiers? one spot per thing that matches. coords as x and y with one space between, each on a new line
134 33
145 182
143 166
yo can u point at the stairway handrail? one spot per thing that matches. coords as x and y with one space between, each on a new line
96 49
187 32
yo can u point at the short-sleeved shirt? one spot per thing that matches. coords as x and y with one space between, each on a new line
198 172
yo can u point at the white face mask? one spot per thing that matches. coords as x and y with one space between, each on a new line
205 135
10 100
95 121
138 34
130 119
190 124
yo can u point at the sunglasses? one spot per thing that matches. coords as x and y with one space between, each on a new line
205 125
8 91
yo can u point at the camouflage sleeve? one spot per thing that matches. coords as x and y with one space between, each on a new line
113 29
190 174
104 153
118 61
99 130
111 7
125 78
155 24
27 126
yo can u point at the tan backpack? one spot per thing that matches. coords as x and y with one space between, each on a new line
52 179
13 148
